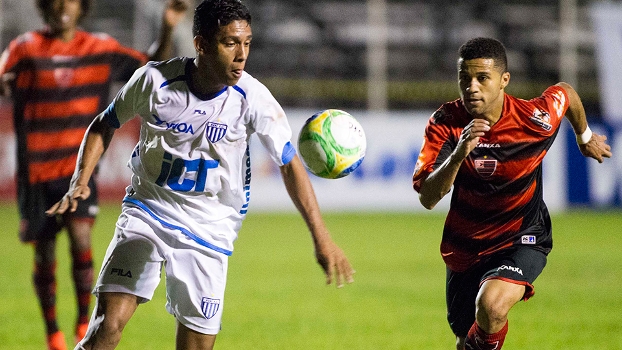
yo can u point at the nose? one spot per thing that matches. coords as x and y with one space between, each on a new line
472 85
241 53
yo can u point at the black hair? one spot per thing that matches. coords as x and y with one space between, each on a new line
210 15
46 5
485 48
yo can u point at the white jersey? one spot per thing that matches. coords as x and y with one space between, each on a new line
191 166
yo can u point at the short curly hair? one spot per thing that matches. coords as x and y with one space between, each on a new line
45 6
485 48
210 15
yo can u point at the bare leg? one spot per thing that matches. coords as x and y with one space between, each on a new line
460 343
494 301
44 280
112 313
82 269
187 339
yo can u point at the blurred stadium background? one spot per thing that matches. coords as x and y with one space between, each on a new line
390 63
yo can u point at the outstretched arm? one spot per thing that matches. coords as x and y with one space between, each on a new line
439 182
173 14
95 142
328 254
591 144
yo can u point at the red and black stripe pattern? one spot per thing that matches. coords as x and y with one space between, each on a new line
59 88
497 195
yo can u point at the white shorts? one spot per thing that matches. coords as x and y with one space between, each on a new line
195 275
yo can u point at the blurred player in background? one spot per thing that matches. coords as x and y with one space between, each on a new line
489 146
59 78
190 188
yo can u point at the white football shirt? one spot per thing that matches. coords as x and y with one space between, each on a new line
191 166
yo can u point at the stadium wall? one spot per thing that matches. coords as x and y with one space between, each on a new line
382 182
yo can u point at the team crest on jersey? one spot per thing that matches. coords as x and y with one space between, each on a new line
209 307
215 131
63 76
542 119
485 167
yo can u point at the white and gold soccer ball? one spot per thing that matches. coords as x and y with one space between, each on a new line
332 144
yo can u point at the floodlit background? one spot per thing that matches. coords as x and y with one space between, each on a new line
390 64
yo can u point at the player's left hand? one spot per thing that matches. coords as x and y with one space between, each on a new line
6 80
334 262
596 148
174 12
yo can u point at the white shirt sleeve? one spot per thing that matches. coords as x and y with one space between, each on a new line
271 125
132 100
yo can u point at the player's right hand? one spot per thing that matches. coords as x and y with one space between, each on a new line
70 200
470 136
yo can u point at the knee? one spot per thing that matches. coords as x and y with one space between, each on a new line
460 343
491 311
109 323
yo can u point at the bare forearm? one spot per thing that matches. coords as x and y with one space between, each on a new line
94 145
301 192
439 182
163 48
576 112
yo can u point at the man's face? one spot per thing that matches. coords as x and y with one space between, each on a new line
481 86
64 14
225 58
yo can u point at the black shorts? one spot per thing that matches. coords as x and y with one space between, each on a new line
35 199
519 264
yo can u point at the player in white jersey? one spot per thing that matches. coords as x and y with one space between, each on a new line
191 178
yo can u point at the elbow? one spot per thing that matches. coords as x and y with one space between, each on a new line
427 202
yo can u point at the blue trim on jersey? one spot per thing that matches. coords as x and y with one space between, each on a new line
288 153
168 82
110 114
175 227
239 89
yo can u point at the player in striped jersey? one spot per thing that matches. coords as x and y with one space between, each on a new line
59 78
191 183
489 146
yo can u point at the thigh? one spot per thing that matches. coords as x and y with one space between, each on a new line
133 261
195 282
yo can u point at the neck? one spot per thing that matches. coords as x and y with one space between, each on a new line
65 35
202 82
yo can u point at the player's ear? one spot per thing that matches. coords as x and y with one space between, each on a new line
200 44
505 79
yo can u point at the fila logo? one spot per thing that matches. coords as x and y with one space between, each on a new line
120 272
179 127
198 111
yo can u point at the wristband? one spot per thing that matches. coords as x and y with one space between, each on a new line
584 137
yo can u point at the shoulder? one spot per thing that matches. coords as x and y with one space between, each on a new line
251 88
157 74
450 113
33 38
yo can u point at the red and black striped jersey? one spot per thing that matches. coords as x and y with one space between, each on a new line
497 198
58 89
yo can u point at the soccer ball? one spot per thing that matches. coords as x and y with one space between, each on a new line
332 144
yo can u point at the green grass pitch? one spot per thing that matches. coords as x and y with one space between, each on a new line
277 299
